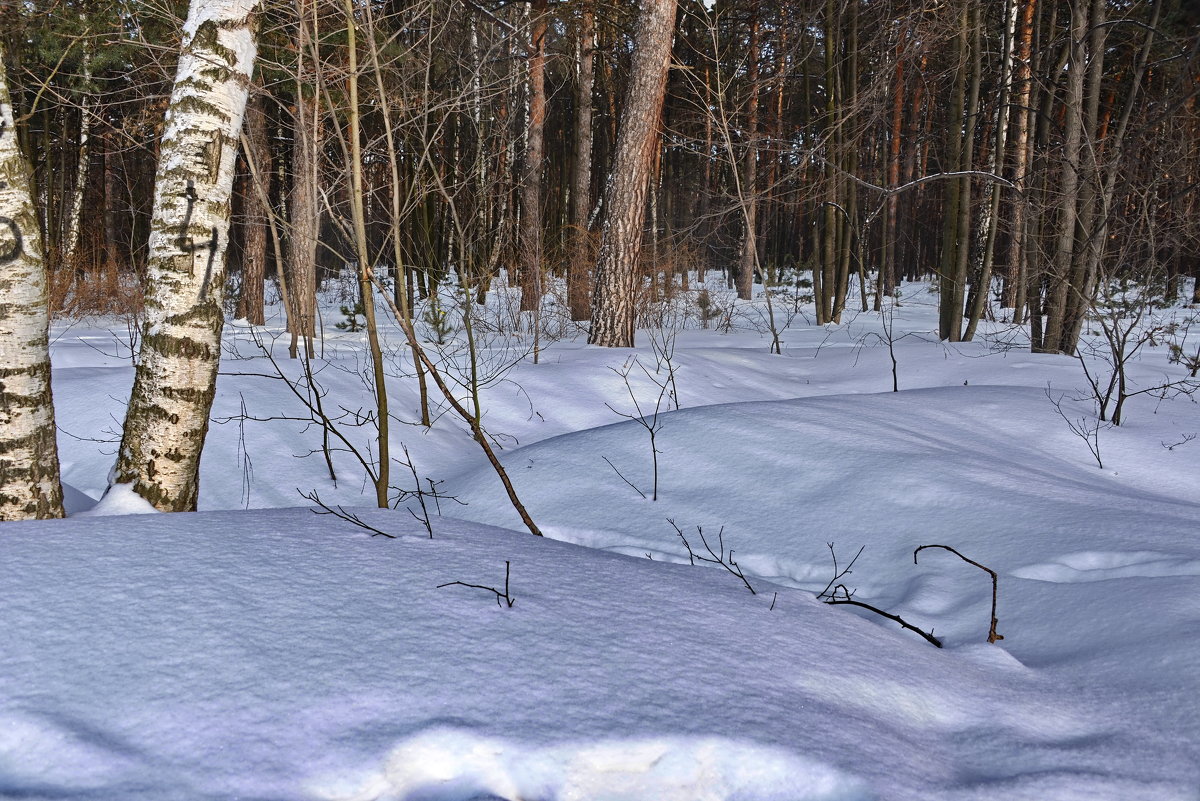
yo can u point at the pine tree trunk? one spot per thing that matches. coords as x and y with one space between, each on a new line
254 259
29 476
581 170
535 157
304 212
625 196
173 389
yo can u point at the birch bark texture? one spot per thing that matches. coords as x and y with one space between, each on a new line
625 195
175 381
29 477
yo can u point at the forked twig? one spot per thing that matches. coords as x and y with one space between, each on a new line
717 557
342 514
505 595
846 599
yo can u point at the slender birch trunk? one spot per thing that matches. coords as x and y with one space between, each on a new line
988 221
173 389
887 270
625 196
29 477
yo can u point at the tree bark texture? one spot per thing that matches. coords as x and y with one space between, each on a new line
625 196
581 168
254 258
29 477
173 389
535 157
304 211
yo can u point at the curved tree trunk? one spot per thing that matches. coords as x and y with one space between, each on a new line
29 479
173 390
625 196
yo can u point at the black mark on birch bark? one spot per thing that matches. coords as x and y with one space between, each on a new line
11 252
186 244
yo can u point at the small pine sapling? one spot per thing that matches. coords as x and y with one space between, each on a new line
352 314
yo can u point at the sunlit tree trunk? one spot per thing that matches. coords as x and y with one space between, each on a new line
304 211
581 168
29 476
625 196
175 381
534 164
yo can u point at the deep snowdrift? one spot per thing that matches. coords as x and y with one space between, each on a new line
276 654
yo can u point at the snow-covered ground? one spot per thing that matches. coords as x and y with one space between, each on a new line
256 650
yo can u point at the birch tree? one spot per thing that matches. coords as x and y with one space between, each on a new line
625 196
29 480
173 389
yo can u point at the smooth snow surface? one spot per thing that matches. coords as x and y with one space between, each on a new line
256 651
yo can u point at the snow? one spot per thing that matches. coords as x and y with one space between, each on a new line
258 650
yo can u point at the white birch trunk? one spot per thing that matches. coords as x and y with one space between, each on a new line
29 481
167 418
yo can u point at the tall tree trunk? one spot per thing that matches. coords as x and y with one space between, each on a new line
1088 246
1023 85
625 196
988 221
173 389
826 287
1068 184
888 268
956 238
29 475
534 164
71 231
748 258
254 258
304 211
362 257
581 167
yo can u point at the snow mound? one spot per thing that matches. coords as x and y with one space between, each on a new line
447 764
